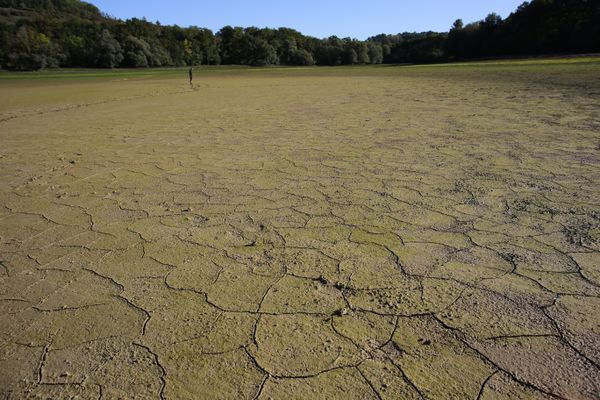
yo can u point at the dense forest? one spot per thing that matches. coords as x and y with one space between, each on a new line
39 34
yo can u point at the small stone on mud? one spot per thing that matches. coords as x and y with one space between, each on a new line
341 312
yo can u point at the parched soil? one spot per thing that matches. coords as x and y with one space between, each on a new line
378 233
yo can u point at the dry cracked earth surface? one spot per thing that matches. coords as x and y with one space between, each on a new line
376 233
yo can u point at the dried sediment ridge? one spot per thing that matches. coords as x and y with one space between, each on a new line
425 234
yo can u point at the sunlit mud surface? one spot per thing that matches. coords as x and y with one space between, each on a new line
388 234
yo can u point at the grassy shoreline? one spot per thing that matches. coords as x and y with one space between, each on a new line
82 73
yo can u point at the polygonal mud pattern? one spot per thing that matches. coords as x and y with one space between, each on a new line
390 234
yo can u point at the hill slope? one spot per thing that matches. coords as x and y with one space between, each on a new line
55 8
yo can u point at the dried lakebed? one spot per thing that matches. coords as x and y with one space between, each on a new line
375 233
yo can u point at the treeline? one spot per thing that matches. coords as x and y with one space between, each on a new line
536 27
69 33
39 34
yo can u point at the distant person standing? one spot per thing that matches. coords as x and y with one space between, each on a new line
191 73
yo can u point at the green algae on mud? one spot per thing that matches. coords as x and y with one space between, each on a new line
379 232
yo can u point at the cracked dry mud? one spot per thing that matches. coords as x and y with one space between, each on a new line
381 234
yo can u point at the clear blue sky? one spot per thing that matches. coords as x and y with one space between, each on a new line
321 18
